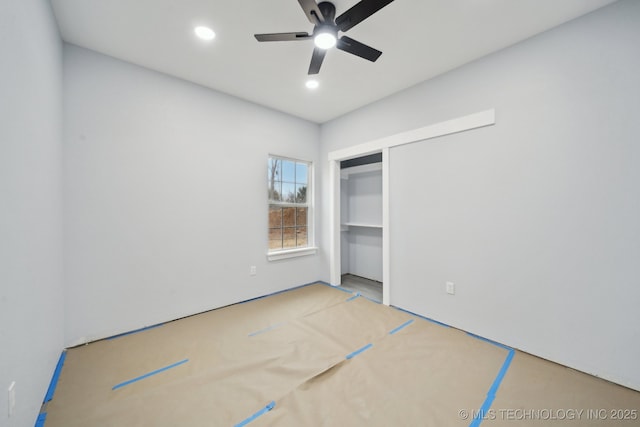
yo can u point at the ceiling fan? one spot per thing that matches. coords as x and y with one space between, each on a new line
326 28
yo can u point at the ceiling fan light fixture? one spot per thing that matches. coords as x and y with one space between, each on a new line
205 33
326 27
325 38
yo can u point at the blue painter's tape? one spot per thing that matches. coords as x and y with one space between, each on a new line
491 394
422 317
497 344
371 299
505 367
261 331
357 352
317 282
279 292
404 325
135 331
54 379
357 294
141 377
261 412
335 287
41 419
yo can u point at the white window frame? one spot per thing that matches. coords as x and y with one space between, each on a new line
310 249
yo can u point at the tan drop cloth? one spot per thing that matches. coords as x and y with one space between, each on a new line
291 349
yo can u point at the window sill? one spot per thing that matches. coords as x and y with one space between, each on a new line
291 253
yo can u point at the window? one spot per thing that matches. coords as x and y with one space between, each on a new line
288 182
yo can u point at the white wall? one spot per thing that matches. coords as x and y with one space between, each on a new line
31 294
165 196
365 197
534 219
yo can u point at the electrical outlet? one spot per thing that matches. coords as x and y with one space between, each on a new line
451 288
12 398
252 270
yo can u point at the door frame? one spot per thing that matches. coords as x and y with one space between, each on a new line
335 223
448 127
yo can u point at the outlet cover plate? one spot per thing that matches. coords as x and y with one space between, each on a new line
451 288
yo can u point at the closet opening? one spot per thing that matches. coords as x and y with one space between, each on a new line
361 225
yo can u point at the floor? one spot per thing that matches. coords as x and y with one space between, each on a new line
368 288
321 356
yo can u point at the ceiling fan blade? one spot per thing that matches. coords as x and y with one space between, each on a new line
311 9
355 47
359 13
316 60
281 37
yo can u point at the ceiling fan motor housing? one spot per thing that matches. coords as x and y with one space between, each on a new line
328 12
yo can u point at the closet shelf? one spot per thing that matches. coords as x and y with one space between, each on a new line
359 224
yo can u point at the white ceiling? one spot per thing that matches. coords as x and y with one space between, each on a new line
419 40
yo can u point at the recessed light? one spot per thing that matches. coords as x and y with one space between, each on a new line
205 33
312 84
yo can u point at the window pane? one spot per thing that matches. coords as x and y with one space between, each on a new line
301 193
288 237
301 218
288 192
275 191
275 218
301 173
287 186
274 172
288 170
288 217
301 236
275 238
